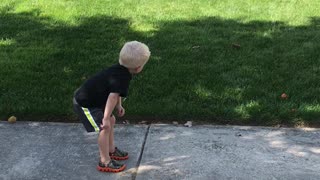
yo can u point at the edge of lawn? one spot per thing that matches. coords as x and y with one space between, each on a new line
134 119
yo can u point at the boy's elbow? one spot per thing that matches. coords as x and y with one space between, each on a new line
113 96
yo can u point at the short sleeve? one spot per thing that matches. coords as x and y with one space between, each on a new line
120 85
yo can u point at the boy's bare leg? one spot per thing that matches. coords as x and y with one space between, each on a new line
111 136
103 141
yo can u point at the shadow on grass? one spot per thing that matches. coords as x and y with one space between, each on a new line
44 60
235 72
225 71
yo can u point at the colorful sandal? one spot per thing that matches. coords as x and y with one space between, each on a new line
119 154
113 166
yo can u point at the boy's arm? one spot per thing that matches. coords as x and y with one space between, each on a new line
112 101
120 109
119 102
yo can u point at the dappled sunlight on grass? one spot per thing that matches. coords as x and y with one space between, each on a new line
311 108
7 42
308 112
145 14
67 70
233 93
202 92
209 61
245 110
149 29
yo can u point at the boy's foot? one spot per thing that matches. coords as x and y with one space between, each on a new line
119 154
113 166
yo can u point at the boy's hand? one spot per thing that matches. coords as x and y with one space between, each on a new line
121 111
105 123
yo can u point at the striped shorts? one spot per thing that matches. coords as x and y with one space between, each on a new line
91 118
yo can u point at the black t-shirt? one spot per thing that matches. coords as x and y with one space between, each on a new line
95 91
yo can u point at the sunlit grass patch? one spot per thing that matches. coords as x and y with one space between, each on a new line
6 42
246 110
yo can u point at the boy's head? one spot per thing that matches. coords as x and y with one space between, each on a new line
134 55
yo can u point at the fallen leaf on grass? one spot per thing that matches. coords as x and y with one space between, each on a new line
293 110
236 46
284 96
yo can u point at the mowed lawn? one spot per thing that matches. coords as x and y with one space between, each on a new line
220 61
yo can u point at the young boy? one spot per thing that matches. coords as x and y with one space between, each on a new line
96 99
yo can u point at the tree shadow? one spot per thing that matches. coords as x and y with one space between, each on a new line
222 70
234 72
54 57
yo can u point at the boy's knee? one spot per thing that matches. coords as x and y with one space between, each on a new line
105 130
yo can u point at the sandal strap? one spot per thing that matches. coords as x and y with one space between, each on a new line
118 152
112 164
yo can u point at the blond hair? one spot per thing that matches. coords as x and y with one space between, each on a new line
134 54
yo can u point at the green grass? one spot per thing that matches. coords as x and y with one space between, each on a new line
48 48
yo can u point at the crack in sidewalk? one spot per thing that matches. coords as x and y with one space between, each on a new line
134 174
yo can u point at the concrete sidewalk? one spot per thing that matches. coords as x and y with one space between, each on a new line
31 150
